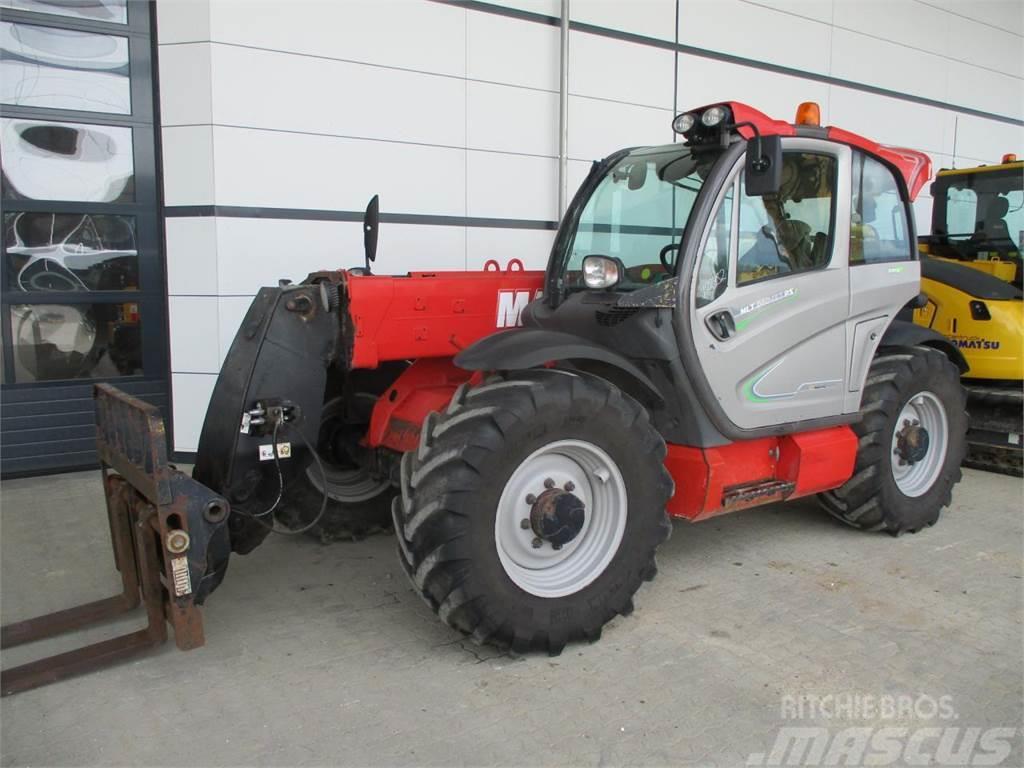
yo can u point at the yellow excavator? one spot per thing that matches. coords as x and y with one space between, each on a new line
971 275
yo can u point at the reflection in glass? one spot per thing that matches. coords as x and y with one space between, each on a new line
74 341
66 161
63 69
70 252
112 11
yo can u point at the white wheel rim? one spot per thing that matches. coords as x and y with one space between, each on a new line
596 480
926 410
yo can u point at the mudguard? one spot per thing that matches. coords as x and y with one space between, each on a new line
522 348
901 333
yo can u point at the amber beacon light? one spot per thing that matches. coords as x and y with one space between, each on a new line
808 113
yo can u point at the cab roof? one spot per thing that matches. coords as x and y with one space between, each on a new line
913 165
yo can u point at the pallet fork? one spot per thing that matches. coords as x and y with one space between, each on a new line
163 527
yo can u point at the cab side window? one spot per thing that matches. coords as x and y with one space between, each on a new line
879 227
790 231
713 270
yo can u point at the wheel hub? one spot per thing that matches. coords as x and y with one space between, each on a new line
912 442
557 515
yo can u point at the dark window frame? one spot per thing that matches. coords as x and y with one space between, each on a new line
145 209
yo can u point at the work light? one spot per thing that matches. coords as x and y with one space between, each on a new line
713 116
683 123
600 272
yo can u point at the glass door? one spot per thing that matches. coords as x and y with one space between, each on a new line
82 278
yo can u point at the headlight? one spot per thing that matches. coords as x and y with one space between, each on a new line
683 123
600 272
713 116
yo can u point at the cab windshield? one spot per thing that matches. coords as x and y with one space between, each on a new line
638 213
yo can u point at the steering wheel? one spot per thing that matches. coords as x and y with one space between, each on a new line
663 256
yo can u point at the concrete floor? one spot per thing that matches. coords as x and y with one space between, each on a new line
322 655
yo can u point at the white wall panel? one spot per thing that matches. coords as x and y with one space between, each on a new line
419 248
987 140
862 59
510 119
511 186
269 168
651 18
1002 14
598 128
986 46
193 322
892 121
258 252
266 89
191 256
985 90
905 22
818 10
705 81
530 246
606 68
182 22
545 7
411 34
190 397
230 313
188 165
504 50
185 84
755 32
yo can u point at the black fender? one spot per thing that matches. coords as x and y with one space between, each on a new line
902 333
521 348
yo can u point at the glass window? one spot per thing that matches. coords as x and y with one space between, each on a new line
113 11
879 230
637 214
74 341
984 213
713 270
70 252
66 161
63 69
790 231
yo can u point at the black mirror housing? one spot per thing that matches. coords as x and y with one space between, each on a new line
763 169
371 223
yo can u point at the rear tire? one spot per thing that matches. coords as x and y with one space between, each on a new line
457 517
906 388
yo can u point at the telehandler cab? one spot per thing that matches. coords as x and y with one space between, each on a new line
713 332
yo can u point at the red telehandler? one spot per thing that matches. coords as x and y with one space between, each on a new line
714 331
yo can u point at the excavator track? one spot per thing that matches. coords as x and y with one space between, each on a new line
997 429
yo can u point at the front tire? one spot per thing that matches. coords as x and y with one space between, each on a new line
531 512
912 439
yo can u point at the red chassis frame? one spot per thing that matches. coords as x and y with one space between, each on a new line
431 318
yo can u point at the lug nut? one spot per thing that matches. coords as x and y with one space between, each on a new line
525 523
556 546
537 543
549 483
531 499
906 422
570 486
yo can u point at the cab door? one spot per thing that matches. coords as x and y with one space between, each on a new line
769 313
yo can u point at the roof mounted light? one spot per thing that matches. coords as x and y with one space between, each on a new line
1009 157
684 122
713 116
808 113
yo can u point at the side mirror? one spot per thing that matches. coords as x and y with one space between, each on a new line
763 169
371 223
